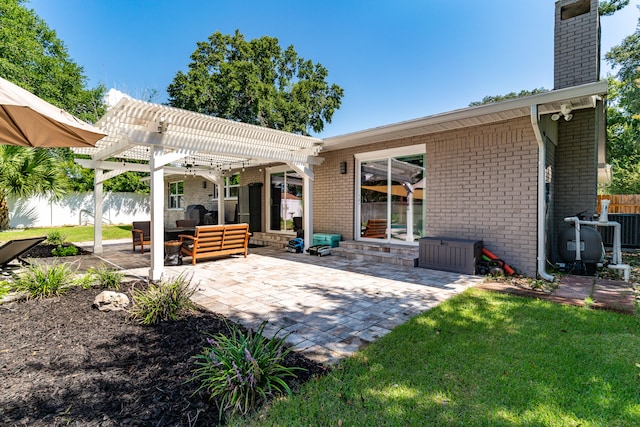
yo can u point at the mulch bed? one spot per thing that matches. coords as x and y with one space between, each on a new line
63 362
43 250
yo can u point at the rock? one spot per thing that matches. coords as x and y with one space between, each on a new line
110 301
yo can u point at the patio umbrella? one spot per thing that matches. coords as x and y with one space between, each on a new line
29 121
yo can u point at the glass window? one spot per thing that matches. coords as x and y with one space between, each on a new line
231 185
176 194
391 194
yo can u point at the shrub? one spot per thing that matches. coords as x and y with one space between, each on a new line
41 280
164 301
64 251
85 281
243 369
106 277
56 238
5 288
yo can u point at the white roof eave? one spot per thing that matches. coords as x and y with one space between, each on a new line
583 96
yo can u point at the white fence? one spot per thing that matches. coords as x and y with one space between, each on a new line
77 209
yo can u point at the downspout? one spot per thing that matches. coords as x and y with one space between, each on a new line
542 227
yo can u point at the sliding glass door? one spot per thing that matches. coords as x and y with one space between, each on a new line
285 197
390 194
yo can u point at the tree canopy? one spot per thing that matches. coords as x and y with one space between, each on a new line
610 7
623 116
256 82
32 56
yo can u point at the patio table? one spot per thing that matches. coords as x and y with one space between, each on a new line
173 233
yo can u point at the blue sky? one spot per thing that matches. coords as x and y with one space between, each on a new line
396 59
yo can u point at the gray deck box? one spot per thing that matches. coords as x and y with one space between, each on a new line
447 254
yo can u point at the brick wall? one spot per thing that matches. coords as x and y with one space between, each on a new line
575 177
481 184
576 43
194 194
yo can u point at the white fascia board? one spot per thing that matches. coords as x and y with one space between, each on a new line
524 104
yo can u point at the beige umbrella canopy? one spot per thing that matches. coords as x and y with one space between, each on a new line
29 121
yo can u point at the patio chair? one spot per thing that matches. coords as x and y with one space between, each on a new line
13 249
141 234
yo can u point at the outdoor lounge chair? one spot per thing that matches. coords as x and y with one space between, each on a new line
141 234
13 249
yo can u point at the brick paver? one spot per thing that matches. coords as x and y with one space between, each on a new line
330 306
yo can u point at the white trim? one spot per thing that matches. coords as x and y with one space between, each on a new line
580 97
392 152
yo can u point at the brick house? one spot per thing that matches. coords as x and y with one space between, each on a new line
506 173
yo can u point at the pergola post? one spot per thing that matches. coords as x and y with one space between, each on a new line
157 214
221 189
307 206
98 195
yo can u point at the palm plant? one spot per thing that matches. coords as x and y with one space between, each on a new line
27 172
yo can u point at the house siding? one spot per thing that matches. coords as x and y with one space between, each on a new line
478 180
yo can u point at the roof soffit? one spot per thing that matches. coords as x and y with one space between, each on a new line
578 97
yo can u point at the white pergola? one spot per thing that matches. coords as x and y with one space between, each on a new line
167 140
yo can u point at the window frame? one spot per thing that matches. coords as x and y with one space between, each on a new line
176 198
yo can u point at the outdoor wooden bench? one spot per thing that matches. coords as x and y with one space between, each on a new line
216 240
376 228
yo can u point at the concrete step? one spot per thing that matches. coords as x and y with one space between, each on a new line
376 256
270 239
391 248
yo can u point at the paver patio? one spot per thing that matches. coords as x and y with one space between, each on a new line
331 306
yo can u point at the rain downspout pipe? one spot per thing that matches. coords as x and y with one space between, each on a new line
542 228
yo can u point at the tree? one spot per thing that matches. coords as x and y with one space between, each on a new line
610 7
32 57
623 116
28 172
256 82
511 95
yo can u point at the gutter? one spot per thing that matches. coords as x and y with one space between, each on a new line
542 254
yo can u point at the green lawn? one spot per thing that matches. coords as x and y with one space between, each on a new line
73 234
482 359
